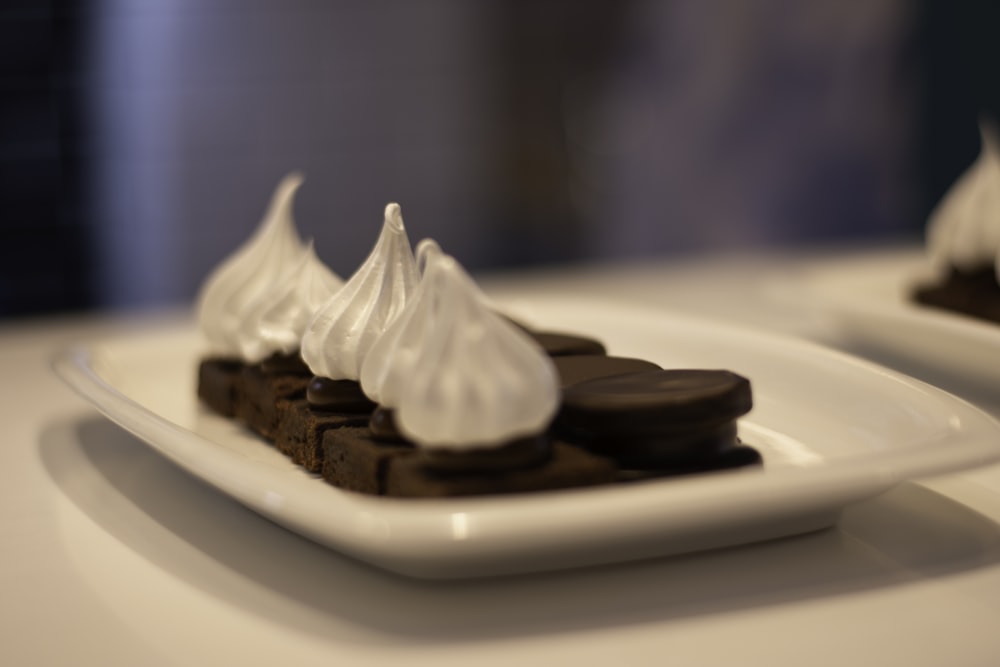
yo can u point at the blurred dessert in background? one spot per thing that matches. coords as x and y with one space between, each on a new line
963 239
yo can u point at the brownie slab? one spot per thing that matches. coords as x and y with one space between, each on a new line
406 476
300 429
219 384
257 404
354 460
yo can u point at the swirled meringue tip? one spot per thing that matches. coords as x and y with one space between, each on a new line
342 331
426 252
277 319
989 135
963 230
293 179
284 195
230 290
394 217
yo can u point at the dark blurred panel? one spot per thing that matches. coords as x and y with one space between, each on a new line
140 141
958 53
45 257
547 51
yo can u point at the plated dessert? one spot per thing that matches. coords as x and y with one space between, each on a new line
404 380
964 240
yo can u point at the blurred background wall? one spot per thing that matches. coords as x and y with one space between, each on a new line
141 139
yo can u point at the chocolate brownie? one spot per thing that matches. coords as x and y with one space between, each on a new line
355 460
970 292
300 430
261 394
409 476
328 404
218 384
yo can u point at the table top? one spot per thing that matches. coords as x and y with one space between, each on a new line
115 556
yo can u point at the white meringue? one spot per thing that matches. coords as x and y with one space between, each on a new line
344 329
468 378
276 321
390 360
964 229
250 271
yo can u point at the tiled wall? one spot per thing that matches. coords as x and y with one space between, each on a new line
511 132
45 258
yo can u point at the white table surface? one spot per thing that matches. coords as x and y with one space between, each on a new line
113 556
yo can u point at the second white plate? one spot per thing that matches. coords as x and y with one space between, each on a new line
833 430
868 297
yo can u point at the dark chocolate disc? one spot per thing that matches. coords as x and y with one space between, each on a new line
576 368
337 395
728 458
383 425
514 455
738 456
558 344
650 402
699 447
280 364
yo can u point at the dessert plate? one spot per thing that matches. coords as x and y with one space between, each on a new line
866 298
833 430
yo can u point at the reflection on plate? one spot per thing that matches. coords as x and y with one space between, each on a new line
833 430
868 298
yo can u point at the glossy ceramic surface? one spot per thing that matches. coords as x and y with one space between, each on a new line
867 298
833 430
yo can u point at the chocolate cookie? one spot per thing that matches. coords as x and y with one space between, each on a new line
337 396
731 457
655 419
558 344
383 425
576 368
407 476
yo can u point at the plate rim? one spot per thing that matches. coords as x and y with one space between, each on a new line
897 270
424 529
866 319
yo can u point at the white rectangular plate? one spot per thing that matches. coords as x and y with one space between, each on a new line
833 430
868 298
